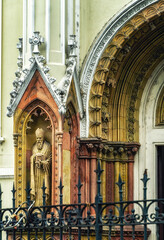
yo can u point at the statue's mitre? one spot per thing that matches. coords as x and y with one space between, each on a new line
39 132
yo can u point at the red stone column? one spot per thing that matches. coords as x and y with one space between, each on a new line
83 156
87 167
110 183
132 150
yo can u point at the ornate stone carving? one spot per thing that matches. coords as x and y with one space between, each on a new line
159 121
35 41
33 111
102 83
65 83
105 115
157 53
37 62
116 157
23 78
40 162
15 138
105 38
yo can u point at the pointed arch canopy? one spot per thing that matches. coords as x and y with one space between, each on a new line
114 71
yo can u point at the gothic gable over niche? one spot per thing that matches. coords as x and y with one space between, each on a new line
36 90
37 63
24 80
35 109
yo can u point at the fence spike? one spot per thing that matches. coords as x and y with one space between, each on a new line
99 171
79 185
120 183
13 192
145 179
44 193
28 190
60 189
98 200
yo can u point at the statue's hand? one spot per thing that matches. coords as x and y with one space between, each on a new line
39 157
33 156
37 163
45 164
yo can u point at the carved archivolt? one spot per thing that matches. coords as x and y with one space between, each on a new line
159 120
122 73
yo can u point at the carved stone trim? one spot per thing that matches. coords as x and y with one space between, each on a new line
159 120
15 138
23 79
109 151
98 48
37 62
110 69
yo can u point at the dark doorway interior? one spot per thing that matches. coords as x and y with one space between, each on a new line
160 152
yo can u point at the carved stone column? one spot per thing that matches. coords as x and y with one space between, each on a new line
119 157
58 162
87 166
116 157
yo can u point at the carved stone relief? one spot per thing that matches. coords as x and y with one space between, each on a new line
40 168
37 114
132 19
110 67
159 121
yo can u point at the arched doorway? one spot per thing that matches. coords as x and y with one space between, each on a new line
151 137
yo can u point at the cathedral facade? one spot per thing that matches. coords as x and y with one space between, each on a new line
88 85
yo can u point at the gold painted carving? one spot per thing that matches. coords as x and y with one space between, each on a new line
15 138
107 73
40 163
22 126
160 110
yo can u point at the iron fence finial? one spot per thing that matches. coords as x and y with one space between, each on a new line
28 190
60 190
79 185
44 193
13 192
120 183
145 179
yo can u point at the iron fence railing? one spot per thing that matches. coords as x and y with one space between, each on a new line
82 219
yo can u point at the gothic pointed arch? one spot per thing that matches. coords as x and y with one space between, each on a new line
36 109
106 58
159 118
121 75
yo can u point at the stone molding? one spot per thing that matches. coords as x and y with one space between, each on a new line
37 62
23 78
103 39
109 151
159 119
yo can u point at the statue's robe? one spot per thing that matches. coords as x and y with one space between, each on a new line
39 172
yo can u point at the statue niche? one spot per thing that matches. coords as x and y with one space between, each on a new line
40 162
39 155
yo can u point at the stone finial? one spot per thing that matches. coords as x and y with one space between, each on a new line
35 41
20 46
72 45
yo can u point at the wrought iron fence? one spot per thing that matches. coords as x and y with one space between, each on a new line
94 220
